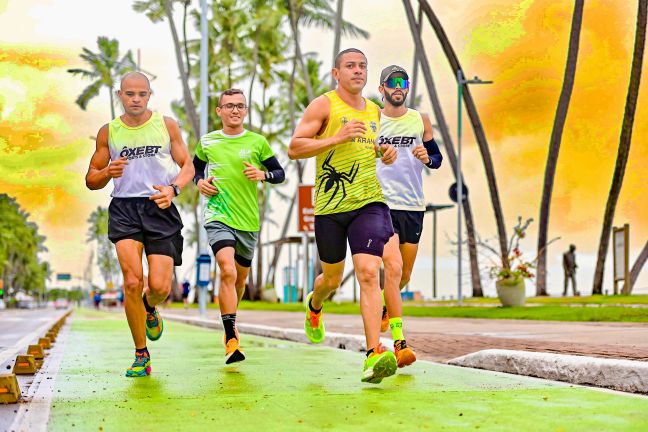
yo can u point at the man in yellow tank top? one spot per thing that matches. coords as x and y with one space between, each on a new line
145 156
340 129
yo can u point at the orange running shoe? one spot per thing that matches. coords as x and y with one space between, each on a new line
233 352
404 355
384 324
235 332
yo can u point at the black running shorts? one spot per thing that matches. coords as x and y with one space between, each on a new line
408 225
142 220
367 229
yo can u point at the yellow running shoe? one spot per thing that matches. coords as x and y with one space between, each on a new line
378 365
404 355
313 325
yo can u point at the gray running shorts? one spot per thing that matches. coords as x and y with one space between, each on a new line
244 243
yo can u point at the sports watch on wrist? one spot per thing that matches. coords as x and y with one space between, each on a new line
176 189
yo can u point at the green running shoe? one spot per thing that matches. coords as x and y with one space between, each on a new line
154 325
313 325
380 364
141 367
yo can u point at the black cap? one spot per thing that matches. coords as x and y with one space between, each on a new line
389 70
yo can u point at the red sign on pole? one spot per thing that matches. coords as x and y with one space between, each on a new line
305 208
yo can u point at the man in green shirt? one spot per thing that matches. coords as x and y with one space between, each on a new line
234 158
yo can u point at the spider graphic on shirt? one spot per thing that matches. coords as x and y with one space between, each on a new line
331 177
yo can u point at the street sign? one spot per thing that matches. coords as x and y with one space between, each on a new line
620 249
203 270
63 276
453 192
305 208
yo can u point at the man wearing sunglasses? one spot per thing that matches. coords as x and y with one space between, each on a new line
410 132
236 160
340 128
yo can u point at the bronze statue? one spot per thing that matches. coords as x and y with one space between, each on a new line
570 266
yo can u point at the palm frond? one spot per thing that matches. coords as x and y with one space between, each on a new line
88 93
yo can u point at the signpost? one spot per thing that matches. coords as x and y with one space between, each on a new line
620 239
434 208
203 273
305 225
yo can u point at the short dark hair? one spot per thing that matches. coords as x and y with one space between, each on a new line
231 92
338 57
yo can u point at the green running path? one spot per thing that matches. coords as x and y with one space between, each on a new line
289 386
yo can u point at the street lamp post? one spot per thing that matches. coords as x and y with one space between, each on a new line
203 260
461 80
434 208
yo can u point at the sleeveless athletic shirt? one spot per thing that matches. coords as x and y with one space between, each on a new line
346 174
148 149
401 181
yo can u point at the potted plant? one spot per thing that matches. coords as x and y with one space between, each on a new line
510 276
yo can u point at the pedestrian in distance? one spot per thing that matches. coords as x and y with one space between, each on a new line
185 293
143 153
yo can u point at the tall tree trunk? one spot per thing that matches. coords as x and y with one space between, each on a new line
447 142
112 102
637 266
270 276
477 129
624 145
294 26
184 36
255 59
338 34
415 66
554 146
190 107
259 251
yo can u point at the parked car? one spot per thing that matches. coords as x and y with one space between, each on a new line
109 299
61 303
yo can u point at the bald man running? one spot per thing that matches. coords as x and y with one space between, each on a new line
145 156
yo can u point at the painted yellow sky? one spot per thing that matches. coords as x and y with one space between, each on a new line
520 44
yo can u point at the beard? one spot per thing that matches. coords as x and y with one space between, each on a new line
394 102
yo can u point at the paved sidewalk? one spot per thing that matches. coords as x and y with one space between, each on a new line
290 386
442 339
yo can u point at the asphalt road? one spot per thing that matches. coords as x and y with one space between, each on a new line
20 327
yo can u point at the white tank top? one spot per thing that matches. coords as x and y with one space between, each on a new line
401 181
148 149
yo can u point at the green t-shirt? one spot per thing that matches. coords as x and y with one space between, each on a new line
236 203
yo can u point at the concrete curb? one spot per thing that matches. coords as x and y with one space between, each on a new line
335 340
624 375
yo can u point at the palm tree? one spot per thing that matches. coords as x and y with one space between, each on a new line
338 34
447 142
105 69
308 13
636 268
156 11
98 232
478 129
624 144
415 66
318 13
554 146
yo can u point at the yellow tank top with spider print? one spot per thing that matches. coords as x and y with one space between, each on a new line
346 174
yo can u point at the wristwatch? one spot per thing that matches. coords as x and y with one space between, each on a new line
176 189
